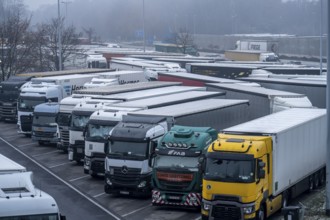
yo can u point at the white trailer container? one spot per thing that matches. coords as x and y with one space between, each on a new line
263 101
171 99
299 143
148 93
19 199
216 113
108 90
315 90
10 166
124 77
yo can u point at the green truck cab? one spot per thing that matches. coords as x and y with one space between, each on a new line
176 175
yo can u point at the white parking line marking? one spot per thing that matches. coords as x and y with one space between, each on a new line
82 177
61 164
24 145
62 180
12 136
199 218
137 210
51 152
98 195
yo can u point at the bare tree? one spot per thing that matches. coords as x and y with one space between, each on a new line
15 39
185 41
47 49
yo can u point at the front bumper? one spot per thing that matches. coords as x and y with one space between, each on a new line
138 187
189 200
94 165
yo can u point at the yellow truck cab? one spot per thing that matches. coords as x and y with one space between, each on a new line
255 168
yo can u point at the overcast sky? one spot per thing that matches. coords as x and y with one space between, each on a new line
35 4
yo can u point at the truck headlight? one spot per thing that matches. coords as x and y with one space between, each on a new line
248 210
108 181
87 161
206 206
142 184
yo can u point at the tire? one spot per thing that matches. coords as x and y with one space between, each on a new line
41 143
311 183
316 180
285 199
322 177
261 214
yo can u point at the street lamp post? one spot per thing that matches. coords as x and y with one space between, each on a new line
327 202
59 32
144 32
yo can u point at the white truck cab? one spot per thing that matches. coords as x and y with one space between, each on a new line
19 199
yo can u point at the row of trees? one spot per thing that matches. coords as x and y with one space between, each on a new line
27 48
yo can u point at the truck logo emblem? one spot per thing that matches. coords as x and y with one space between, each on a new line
176 153
124 170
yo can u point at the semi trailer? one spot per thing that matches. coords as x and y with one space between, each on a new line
263 101
257 167
42 90
133 141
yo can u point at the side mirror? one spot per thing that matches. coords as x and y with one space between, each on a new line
152 159
84 131
261 174
202 164
106 148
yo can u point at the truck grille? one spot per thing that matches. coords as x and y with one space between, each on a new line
98 166
175 181
26 123
131 177
65 138
8 111
43 134
225 212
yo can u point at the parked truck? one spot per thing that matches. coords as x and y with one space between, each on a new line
133 141
44 126
11 88
263 101
255 168
64 118
9 92
251 55
102 121
79 118
176 177
42 90
19 199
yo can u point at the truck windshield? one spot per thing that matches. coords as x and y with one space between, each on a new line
129 150
32 217
44 120
98 131
29 104
63 119
79 121
162 161
230 170
9 94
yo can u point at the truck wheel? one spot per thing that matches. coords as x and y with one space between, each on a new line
316 180
40 142
261 213
321 177
311 183
285 199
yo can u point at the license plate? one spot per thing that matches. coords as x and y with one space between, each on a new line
175 197
124 192
79 150
38 129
